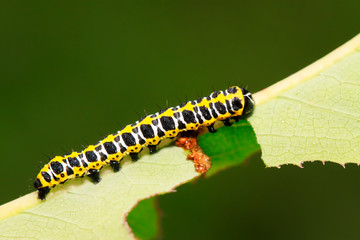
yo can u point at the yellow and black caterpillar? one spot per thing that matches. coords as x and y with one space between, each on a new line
233 103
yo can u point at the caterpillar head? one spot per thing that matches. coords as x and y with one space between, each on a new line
249 103
241 101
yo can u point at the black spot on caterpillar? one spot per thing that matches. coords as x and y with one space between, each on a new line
232 103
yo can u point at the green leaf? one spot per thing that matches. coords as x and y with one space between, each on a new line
80 209
314 114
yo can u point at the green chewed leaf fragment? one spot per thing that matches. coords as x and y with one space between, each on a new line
229 146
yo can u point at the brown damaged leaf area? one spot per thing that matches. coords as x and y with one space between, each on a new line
188 141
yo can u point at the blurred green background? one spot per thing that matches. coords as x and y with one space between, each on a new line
72 72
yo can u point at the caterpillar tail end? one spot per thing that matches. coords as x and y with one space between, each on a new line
42 192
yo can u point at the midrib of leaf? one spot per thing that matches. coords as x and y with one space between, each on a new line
308 72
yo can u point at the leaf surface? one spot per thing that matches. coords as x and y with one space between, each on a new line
316 115
80 209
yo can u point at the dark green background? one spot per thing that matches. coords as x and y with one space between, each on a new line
71 71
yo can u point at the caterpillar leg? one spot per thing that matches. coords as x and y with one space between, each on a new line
227 122
152 149
237 118
134 156
211 128
115 165
64 181
94 175
42 192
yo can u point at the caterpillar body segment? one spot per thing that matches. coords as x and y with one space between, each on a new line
232 103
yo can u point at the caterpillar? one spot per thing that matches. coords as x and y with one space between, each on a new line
233 103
